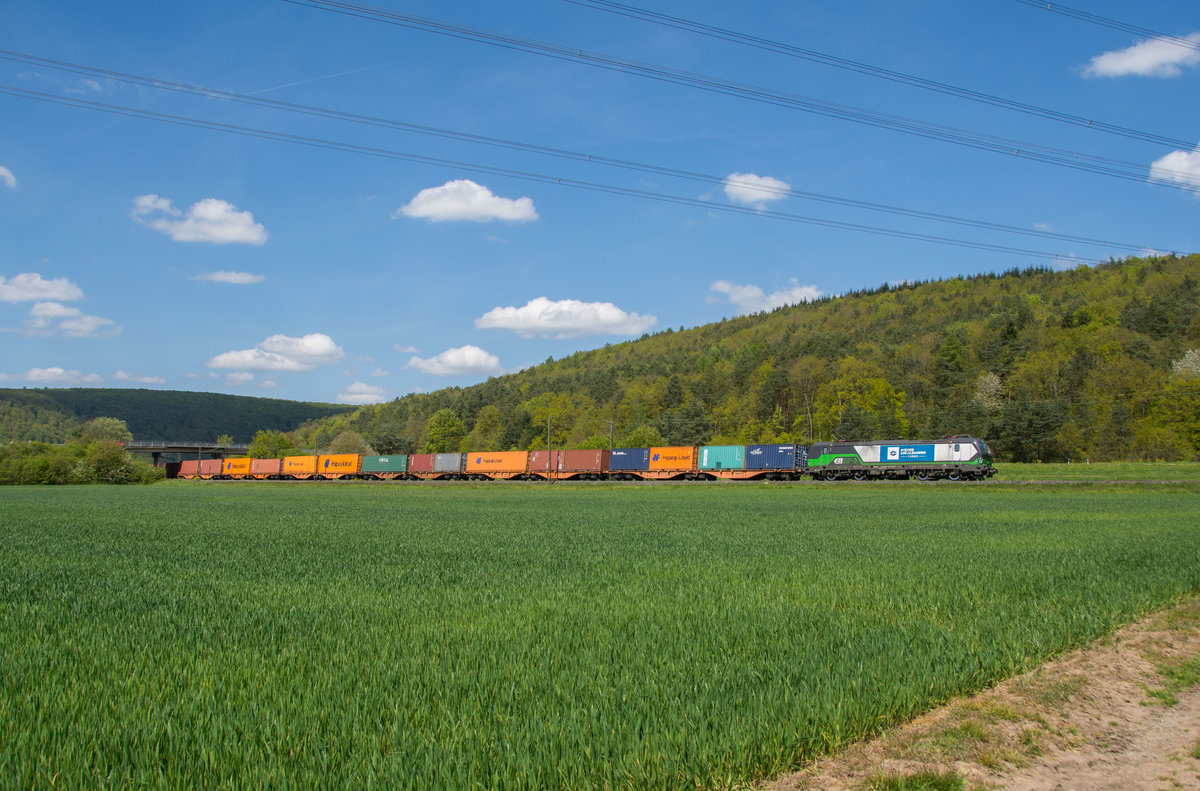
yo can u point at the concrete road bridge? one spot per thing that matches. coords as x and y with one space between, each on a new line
156 449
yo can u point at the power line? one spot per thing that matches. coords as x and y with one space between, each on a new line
336 145
1057 8
917 128
211 93
725 34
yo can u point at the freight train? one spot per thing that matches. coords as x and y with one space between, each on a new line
949 458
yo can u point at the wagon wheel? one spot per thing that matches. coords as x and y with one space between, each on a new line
830 475
922 476
860 476
955 475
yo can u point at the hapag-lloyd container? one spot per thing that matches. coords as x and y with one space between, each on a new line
340 465
513 462
300 466
236 468
722 457
629 459
681 459
771 457
569 461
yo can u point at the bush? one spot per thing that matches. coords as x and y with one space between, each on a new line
77 462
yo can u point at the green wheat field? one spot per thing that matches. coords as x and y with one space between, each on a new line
511 636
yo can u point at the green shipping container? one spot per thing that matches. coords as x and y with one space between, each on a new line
722 457
396 463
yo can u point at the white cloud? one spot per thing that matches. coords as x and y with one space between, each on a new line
565 318
85 86
465 360
752 190
53 310
211 220
752 299
121 376
7 178
267 384
407 349
238 379
360 393
1178 167
463 199
282 353
1155 57
29 286
53 376
233 278
89 327
47 318
379 373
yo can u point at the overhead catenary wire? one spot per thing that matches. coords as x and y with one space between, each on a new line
336 145
1113 24
725 34
767 189
947 134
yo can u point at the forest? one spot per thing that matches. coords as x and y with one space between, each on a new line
1089 363
56 415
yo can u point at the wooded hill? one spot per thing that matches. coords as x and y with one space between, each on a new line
1092 362
55 415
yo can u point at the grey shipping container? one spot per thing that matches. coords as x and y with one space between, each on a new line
622 459
771 457
449 462
722 457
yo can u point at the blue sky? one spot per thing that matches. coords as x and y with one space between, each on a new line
201 240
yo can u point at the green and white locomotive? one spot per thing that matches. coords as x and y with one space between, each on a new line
952 458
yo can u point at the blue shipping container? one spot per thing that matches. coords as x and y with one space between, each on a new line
771 457
622 459
722 457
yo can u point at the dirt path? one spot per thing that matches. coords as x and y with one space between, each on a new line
1123 713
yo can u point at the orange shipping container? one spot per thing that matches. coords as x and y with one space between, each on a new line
506 463
339 465
683 459
238 468
300 466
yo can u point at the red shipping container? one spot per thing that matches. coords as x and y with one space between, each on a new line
265 468
569 461
421 462
189 469
210 467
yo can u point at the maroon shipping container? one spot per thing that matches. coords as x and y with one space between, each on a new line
421 462
189 468
566 462
210 467
264 468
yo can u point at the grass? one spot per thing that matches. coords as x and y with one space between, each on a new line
1100 471
921 781
507 636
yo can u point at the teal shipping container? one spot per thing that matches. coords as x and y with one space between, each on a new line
722 457
396 463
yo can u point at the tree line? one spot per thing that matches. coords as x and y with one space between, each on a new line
1097 363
